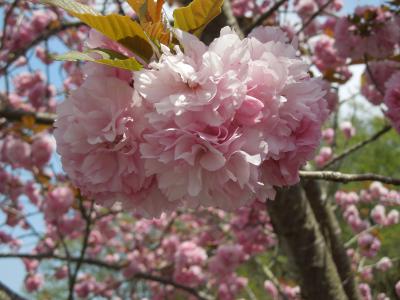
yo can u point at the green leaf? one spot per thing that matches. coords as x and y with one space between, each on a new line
195 17
108 57
121 29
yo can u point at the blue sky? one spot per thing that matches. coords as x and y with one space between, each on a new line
12 271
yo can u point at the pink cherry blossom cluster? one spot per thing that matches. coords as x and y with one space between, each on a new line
306 8
20 33
196 128
33 86
376 192
22 154
249 8
374 81
371 31
392 100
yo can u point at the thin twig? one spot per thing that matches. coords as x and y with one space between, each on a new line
44 36
264 16
46 256
166 281
356 147
231 19
345 178
98 263
355 238
87 218
8 14
314 15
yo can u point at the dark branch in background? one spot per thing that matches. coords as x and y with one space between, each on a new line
42 37
8 14
13 115
357 147
166 281
231 19
87 217
7 294
102 264
264 16
330 228
46 256
313 16
345 178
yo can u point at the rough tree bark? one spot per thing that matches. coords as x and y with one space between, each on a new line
332 233
295 224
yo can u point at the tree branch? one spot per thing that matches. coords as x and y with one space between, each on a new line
330 228
46 256
14 115
314 15
44 36
7 293
87 217
8 14
231 19
295 224
264 16
346 178
357 147
166 281
106 265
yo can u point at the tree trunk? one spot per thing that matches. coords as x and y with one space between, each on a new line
331 230
295 223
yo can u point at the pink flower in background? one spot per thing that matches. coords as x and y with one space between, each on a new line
325 54
369 244
189 260
249 8
271 290
41 19
384 264
328 135
42 149
43 55
33 282
188 253
374 89
324 155
382 296
230 287
17 152
348 129
378 214
226 259
392 100
379 41
393 217
58 201
365 291
397 288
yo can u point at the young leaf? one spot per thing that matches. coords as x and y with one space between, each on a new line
119 28
147 10
108 57
151 19
195 17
